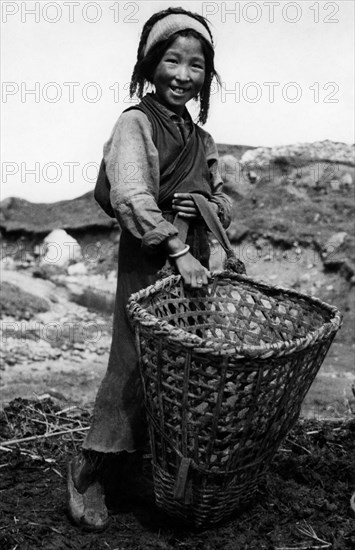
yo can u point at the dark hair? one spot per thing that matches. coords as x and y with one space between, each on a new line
145 66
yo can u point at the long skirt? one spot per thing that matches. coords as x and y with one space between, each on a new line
119 420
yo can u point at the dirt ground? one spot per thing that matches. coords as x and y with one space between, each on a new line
302 503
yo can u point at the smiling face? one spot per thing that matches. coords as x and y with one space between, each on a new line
180 74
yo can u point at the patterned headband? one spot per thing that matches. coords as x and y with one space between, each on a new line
172 23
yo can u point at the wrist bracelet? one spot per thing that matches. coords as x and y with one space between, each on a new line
180 253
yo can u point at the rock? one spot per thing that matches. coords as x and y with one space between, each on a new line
334 264
60 249
237 232
236 182
299 153
335 185
77 269
79 347
341 264
49 272
347 179
253 176
8 263
333 245
292 190
347 270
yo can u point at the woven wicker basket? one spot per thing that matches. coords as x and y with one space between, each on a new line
224 371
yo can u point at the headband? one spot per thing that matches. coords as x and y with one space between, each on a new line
171 24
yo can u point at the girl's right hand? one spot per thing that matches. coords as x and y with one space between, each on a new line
192 271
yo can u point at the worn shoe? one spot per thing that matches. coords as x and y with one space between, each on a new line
87 509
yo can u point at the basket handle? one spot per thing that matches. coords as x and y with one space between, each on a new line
232 263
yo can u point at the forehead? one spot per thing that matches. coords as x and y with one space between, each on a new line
187 45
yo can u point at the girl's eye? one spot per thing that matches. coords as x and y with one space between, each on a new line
198 63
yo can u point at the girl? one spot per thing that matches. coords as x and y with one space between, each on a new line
156 160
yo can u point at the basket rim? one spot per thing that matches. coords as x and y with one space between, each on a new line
140 316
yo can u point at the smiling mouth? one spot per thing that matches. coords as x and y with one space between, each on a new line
179 91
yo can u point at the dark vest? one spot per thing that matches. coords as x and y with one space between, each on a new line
183 168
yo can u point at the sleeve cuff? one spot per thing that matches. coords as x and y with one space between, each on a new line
157 235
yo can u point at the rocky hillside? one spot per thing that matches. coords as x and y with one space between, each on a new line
293 225
302 153
325 166
302 193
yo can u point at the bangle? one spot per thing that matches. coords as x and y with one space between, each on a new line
180 253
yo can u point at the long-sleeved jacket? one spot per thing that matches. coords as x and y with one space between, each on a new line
132 166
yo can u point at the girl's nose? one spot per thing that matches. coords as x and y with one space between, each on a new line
182 73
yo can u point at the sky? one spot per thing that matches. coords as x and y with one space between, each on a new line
287 71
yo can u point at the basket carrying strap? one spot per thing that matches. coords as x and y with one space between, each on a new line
211 220
213 223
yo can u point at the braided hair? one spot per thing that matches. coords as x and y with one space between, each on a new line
145 66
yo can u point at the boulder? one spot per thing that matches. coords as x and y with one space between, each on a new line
334 255
333 245
335 185
60 249
77 269
237 232
347 179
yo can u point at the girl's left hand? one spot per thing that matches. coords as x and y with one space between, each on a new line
185 206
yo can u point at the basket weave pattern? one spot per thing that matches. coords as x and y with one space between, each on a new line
224 370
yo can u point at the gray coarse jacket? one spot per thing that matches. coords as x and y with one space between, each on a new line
132 167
